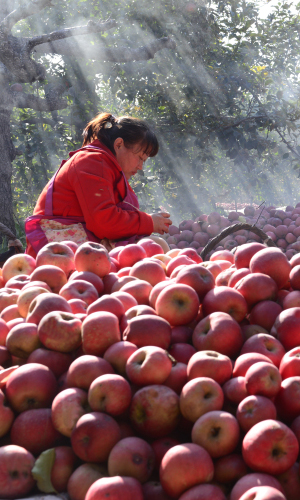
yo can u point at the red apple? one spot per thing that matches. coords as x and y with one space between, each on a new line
26 297
67 407
20 263
125 488
250 480
71 244
210 364
218 332
273 262
6 415
244 361
60 331
132 457
254 409
203 492
178 304
79 289
270 446
82 479
225 299
9 313
237 275
263 379
265 344
229 469
138 310
22 340
139 289
154 411
85 369
8 296
290 481
244 254
148 330
290 364
58 362
288 401
224 277
178 261
40 284
235 390
148 365
127 300
149 271
181 334
217 432
177 378
18 282
257 287
52 275
16 478
291 299
118 354
92 278
78 306
56 254
263 493
131 254
151 247
160 448
287 328
94 436
63 467
197 277
109 393
34 431
184 466
92 257
265 313
153 490
45 303
99 331
3 332
31 386
200 396
157 289
107 303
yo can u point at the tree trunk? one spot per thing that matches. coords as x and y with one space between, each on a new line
7 155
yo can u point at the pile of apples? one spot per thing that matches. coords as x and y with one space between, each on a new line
138 374
282 226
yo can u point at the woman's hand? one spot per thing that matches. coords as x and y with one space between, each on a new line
161 222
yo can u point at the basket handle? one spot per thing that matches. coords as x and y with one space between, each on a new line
232 229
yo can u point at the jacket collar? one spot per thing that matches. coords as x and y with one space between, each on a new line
104 149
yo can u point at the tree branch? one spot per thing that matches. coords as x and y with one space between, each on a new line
23 12
91 27
22 100
72 48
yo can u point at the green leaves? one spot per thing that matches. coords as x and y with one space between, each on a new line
42 471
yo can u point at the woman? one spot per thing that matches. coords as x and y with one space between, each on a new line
89 198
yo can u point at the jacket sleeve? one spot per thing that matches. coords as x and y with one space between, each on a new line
96 185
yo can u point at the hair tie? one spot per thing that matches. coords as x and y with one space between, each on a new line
109 123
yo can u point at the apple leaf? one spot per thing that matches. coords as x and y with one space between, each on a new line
41 471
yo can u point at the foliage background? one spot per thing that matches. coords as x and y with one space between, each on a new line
224 104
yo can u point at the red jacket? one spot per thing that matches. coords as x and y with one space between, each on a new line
89 185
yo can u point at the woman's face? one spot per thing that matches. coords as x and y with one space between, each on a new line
130 160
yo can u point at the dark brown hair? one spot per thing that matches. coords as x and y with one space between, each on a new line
107 128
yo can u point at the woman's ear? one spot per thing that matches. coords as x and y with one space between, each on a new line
118 143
